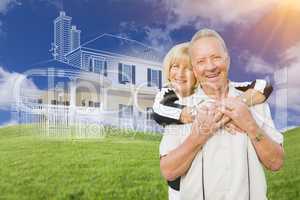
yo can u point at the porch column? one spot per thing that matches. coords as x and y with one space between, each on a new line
72 100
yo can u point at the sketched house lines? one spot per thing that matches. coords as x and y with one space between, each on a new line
108 80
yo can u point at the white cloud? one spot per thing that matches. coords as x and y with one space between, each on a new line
286 81
221 12
258 65
215 14
6 4
292 58
158 38
291 61
9 123
58 4
9 84
287 70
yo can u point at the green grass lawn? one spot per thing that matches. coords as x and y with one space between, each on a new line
116 167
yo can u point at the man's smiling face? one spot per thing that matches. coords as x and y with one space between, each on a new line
210 61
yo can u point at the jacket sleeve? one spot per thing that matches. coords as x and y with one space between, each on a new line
260 85
165 110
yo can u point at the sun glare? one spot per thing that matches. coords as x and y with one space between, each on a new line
290 4
279 28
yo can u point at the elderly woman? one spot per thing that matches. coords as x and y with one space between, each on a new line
169 102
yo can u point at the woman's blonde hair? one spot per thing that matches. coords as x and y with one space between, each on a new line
177 52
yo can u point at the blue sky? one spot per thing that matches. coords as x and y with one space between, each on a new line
262 36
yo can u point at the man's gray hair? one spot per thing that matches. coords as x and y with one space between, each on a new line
209 33
203 33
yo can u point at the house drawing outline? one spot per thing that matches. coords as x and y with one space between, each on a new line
132 70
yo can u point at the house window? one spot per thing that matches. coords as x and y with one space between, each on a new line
40 101
125 111
91 104
98 66
83 103
126 73
53 102
97 104
154 78
140 114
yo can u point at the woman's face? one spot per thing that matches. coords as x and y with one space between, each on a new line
182 77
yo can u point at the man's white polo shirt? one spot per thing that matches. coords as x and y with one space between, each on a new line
229 162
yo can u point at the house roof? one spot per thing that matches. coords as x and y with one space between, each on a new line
123 46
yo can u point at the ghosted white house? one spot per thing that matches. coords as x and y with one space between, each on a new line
109 80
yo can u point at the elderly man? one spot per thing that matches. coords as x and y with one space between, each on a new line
214 164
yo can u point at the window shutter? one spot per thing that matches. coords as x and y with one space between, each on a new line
148 77
105 68
120 73
91 65
160 79
133 74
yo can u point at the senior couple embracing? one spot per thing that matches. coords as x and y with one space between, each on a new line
218 134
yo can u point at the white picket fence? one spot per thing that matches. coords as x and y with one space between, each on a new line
79 122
